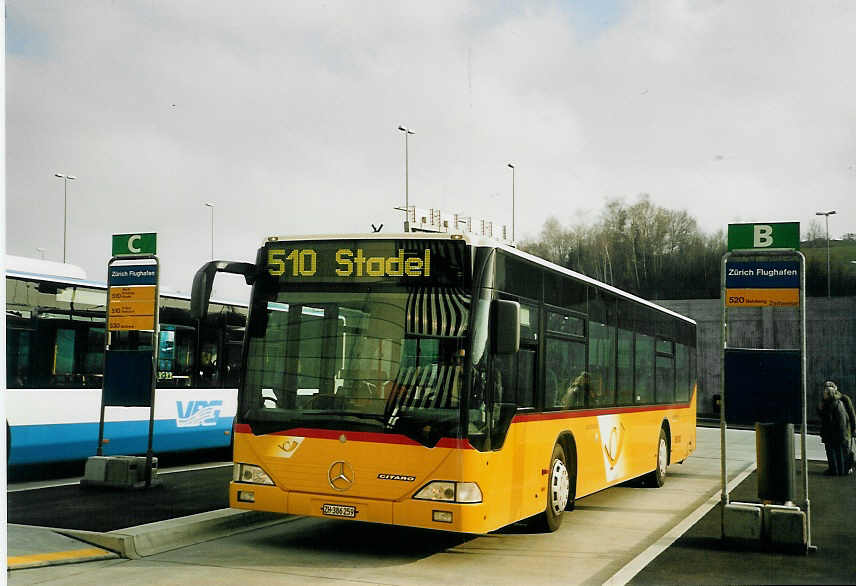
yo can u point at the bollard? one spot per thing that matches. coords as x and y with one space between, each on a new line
774 450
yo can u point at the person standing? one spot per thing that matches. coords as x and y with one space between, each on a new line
851 423
847 403
834 430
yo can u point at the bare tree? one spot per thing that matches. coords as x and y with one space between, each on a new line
815 231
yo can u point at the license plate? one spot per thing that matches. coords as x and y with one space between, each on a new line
339 511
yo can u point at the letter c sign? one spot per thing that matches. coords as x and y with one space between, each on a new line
142 243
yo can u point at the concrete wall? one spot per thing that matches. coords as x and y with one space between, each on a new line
830 341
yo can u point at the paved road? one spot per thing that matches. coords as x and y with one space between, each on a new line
833 536
71 506
608 538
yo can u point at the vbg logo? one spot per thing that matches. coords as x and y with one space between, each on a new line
197 413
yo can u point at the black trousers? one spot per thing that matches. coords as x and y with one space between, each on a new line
836 455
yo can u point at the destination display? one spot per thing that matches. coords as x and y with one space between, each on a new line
132 275
762 283
762 275
426 262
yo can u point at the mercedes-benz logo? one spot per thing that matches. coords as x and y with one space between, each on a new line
340 475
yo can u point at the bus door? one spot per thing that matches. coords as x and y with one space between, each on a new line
176 347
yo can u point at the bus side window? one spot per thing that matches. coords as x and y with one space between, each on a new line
644 358
233 364
175 356
526 378
565 363
624 362
92 357
62 370
504 378
516 377
18 353
208 365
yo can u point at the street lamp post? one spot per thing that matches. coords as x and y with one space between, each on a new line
407 132
65 179
828 276
210 204
512 200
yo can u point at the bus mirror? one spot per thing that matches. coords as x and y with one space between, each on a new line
203 281
506 315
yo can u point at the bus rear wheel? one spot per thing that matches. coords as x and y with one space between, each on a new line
558 491
657 478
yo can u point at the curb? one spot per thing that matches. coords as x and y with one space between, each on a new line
637 564
153 538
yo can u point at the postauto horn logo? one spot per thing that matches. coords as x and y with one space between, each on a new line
197 413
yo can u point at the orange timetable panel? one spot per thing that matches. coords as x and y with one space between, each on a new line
131 308
140 322
762 297
138 293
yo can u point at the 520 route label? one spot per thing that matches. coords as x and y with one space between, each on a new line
762 297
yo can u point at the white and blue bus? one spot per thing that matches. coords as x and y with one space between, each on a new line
55 333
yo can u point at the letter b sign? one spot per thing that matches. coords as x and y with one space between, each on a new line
782 235
763 236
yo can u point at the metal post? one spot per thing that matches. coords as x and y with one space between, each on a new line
406 184
828 274
155 357
65 178
99 451
64 218
722 424
803 376
210 204
512 200
407 132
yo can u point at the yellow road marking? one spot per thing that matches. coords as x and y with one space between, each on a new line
14 561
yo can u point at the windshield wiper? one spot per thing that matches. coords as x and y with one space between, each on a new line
266 421
346 413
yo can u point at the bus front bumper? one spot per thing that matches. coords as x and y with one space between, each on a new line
445 516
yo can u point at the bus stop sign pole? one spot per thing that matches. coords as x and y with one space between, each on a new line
781 288
130 375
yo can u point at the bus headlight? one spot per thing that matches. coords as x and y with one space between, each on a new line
250 474
450 492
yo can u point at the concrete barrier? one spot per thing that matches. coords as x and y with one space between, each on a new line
153 538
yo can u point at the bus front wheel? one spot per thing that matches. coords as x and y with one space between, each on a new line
657 478
558 491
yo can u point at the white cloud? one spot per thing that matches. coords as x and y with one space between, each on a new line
285 114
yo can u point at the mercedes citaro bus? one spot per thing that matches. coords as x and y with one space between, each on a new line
448 382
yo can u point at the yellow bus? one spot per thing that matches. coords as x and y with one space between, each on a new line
447 382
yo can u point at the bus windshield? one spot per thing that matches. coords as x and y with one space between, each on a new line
386 359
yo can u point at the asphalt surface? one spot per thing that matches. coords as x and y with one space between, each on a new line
700 556
99 509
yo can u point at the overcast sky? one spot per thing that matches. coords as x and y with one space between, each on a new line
285 115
